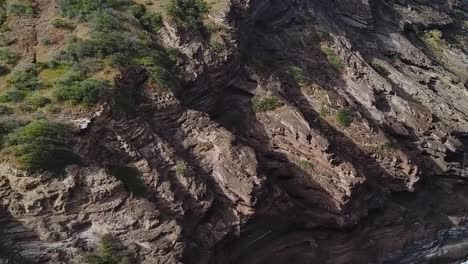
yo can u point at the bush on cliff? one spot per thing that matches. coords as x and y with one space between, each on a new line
41 145
189 12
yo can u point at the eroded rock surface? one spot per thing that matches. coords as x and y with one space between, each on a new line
294 184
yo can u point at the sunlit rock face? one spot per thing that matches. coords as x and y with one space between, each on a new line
321 131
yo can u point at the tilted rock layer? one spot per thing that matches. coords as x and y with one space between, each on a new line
294 184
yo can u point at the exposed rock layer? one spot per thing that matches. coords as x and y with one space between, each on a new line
228 185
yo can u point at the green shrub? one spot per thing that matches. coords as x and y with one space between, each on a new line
137 10
344 118
305 165
159 67
323 35
332 58
12 96
88 65
25 79
21 9
41 145
10 124
433 39
131 179
378 67
62 23
109 251
324 111
298 75
103 20
5 110
79 90
263 104
388 146
181 169
46 41
218 46
189 12
3 12
6 41
121 60
100 45
37 101
82 8
151 22
8 57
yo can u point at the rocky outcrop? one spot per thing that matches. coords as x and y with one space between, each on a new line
219 182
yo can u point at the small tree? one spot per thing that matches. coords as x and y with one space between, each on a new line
344 118
189 12
79 90
109 251
137 10
151 22
41 145
25 79
8 57
20 9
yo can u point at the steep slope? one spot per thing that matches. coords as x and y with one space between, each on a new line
297 131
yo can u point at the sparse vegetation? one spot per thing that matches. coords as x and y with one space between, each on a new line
82 8
88 66
52 73
218 46
151 22
21 9
137 10
324 111
25 79
388 146
298 75
378 67
41 145
159 68
37 101
332 58
344 118
62 23
131 178
189 12
263 104
305 165
433 39
7 57
103 20
5 110
99 45
323 35
6 40
181 169
8 125
109 251
46 41
3 12
14 96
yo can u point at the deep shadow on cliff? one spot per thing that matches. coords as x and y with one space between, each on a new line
277 236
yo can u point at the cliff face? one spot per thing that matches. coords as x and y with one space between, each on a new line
331 131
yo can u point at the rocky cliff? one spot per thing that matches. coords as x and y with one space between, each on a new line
323 131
